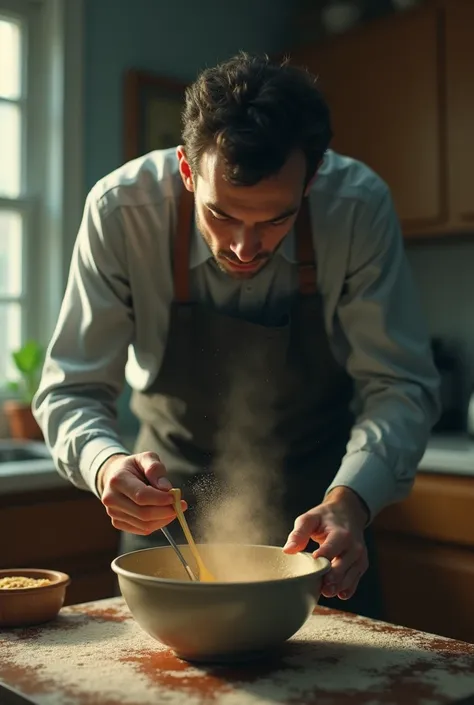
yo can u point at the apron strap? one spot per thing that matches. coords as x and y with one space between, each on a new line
305 251
182 246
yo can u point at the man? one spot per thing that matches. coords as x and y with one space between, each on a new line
252 237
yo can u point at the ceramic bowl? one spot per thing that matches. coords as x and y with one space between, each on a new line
261 598
21 607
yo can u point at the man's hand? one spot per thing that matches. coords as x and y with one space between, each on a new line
134 490
338 526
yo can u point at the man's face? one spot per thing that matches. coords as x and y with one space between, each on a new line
243 225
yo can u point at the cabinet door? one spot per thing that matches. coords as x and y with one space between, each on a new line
382 85
460 103
425 548
427 586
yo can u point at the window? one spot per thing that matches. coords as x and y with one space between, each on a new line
41 188
13 182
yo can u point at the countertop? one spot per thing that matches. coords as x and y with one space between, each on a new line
449 454
95 654
445 454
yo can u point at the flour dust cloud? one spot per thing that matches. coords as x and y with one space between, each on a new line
247 507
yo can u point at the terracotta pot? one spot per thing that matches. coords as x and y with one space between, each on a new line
21 421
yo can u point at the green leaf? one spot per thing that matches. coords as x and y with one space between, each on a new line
28 359
13 386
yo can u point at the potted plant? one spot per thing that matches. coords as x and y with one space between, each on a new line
29 361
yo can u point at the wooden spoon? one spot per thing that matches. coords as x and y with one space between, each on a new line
205 575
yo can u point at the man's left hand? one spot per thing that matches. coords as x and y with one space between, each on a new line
337 525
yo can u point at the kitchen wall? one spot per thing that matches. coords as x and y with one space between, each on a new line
444 272
176 38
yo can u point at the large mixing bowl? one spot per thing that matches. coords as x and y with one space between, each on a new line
261 599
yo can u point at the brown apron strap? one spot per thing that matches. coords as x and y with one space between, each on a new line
305 251
182 247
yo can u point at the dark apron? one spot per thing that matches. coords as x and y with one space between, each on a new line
291 395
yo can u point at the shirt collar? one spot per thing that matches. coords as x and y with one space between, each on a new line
201 252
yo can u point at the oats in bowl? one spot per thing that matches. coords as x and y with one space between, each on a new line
16 582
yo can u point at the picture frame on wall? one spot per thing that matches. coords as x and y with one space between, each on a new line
153 106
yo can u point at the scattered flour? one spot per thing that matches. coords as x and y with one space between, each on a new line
96 654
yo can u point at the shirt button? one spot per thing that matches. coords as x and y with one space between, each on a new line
248 288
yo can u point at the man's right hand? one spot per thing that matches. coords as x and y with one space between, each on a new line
134 490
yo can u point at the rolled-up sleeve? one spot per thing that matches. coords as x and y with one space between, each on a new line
83 373
390 360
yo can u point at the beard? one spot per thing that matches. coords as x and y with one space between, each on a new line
223 258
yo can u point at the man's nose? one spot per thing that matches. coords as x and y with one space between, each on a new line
246 244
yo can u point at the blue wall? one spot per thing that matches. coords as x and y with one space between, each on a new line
172 37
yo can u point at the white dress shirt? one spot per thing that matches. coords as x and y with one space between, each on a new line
115 315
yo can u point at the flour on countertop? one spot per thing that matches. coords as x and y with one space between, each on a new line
95 654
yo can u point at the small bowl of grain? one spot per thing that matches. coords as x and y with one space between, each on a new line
30 596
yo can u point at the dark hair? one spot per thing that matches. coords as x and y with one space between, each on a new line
255 113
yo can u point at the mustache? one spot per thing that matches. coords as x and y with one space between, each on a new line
228 254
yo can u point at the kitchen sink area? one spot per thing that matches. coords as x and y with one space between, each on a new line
22 452
26 465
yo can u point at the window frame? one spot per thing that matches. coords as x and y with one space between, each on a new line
20 11
52 185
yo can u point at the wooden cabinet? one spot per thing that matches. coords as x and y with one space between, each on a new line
425 549
64 529
460 103
401 92
384 105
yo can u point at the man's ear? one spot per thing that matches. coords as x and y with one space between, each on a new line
313 179
185 168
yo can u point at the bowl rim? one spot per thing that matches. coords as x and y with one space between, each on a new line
57 577
247 584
